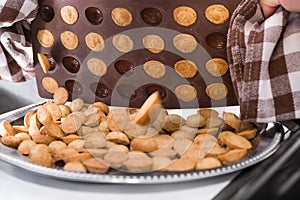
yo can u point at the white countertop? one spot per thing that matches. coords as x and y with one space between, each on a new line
19 184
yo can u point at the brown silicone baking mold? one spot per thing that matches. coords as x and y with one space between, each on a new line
125 83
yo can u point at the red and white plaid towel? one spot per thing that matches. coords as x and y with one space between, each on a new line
264 58
16 60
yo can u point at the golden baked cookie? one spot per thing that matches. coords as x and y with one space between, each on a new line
78 145
76 104
217 13
218 150
94 41
53 129
98 153
44 115
123 43
70 124
213 122
208 163
211 131
183 135
25 146
217 66
195 121
121 16
153 43
181 145
186 68
75 166
155 69
54 110
184 15
181 164
69 14
49 84
160 162
163 140
69 40
167 152
70 138
188 129
232 120
232 156
186 93
248 134
138 162
45 38
96 165
6 128
102 106
44 62
64 154
10 141
216 91
185 43
118 137
27 119
56 146
60 96
115 158
173 122
95 141
146 145
39 154
208 112
78 157
234 141
97 66
23 136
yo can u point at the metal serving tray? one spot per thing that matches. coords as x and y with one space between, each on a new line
269 143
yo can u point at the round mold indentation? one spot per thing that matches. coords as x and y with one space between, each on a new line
217 66
217 13
71 64
217 91
151 88
154 43
122 43
69 14
152 16
155 69
185 43
186 93
94 15
73 87
46 13
100 90
121 16
216 41
97 67
184 15
69 40
45 38
124 67
126 91
94 41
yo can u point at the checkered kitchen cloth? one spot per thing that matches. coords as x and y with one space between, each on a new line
16 59
264 59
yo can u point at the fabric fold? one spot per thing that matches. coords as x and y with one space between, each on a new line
265 63
16 54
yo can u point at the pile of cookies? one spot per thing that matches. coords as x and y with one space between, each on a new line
92 138
120 51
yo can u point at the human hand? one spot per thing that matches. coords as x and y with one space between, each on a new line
270 6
